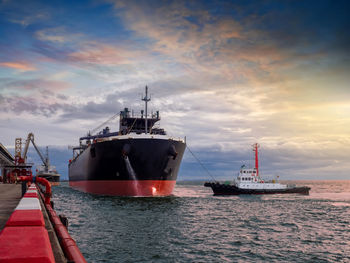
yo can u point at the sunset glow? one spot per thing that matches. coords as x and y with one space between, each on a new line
224 74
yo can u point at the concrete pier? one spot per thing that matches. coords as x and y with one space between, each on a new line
10 194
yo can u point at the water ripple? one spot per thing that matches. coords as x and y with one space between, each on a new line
194 226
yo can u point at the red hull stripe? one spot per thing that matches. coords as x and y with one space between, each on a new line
126 187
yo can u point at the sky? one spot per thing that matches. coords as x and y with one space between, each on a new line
225 74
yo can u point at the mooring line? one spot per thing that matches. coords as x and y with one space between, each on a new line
200 163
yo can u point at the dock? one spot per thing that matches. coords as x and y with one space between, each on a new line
30 229
10 196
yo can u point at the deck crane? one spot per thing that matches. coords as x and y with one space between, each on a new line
102 124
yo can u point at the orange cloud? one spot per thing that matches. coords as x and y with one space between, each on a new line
21 66
99 54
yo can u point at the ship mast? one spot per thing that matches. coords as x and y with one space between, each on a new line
146 99
255 149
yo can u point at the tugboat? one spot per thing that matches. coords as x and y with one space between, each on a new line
250 182
138 160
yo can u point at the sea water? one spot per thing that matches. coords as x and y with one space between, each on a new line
195 226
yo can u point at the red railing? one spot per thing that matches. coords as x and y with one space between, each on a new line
68 244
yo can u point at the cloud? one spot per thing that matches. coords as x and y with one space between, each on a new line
286 161
223 74
33 96
21 66
101 54
34 86
17 12
57 35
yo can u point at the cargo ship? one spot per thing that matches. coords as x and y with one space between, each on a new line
249 182
138 160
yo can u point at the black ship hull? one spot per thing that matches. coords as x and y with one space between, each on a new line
225 189
128 166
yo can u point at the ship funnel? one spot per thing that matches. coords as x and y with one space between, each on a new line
255 149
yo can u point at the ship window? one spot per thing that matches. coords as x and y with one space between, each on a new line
254 172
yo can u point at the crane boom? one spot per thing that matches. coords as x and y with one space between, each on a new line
30 138
37 150
101 125
25 151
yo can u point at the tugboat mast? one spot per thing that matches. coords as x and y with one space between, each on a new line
146 99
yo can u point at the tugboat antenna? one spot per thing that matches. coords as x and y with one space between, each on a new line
146 99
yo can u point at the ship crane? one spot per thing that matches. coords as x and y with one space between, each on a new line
102 124
30 138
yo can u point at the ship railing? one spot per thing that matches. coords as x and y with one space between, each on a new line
132 114
92 137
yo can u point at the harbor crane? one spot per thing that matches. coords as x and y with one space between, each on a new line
45 161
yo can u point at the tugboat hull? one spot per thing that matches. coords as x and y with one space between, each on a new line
225 189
